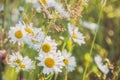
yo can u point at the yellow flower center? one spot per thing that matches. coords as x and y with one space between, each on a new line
46 47
18 34
18 61
74 35
34 40
49 62
43 2
66 62
22 66
29 30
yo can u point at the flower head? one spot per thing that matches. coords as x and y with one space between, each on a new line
35 37
26 64
15 59
19 62
69 61
75 35
100 65
17 33
30 30
60 10
51 63
47 3
48 46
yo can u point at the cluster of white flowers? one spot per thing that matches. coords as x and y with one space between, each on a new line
39 4
26 33
55 61
51 59
19 62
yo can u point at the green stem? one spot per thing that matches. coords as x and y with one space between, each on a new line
65 42
56 75
66 75
92 46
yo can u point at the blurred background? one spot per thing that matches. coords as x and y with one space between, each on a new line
107 43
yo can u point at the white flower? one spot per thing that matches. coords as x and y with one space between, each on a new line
31 1
15 59
59 8
48 46
35 41
17 33
47 3
26 64
20 63
69 61
30 30
51 63
100 65
89 25
75 35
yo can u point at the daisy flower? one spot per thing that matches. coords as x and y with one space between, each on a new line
48 46
69 61
15 59
17 33
36 40
47 3
100 65
26 64
75 35
19 62
51 63
89 25
30 30
60 10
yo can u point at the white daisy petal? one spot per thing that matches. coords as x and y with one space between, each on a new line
100 65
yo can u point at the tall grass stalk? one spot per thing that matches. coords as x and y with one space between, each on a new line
3 24
93 42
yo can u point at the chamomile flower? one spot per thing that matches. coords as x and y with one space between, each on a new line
51 63
89 25
36 41
19 62
30 30
15 59
26 64
69 61
75 35
48 46
47 3
17 33
100 65
60 10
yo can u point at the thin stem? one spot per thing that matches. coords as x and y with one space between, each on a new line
65 42
56 75
92 46
66 75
